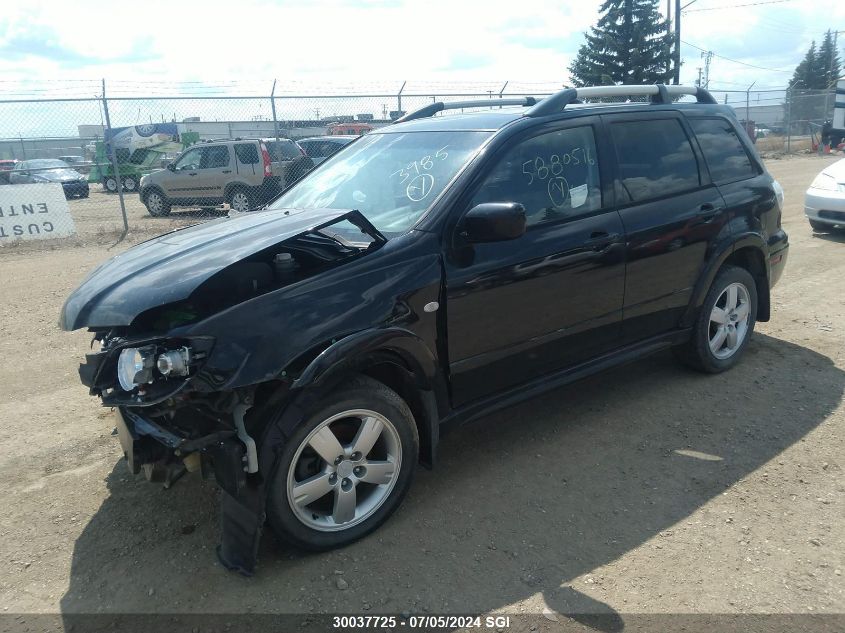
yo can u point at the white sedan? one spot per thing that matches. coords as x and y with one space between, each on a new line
824 201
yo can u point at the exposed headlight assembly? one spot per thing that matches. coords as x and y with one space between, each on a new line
135 366
174 362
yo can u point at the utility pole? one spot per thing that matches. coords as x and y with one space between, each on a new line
677 77
678 10
707 57
668 35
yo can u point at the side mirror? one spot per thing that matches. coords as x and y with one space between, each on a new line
493 222
171 166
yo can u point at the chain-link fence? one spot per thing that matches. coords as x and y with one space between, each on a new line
130 156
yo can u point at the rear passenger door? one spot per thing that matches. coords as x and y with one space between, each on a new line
673 217
740 178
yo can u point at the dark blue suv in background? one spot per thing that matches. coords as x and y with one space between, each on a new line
309 356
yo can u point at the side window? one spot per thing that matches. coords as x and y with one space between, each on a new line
554 176
655 159
215 157
726 157
190 160
247 153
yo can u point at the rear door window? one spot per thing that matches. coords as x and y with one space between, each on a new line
215 157
283 150
726 157
655 159
247 153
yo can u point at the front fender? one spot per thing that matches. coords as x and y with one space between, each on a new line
353 351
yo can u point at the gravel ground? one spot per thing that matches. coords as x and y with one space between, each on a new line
647 489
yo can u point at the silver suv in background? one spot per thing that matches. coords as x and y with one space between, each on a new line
244 173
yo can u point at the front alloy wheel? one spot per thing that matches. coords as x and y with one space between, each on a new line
335 483
345 469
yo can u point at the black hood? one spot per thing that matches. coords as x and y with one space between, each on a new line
170 267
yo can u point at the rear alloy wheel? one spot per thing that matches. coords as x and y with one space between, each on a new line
724 324
240 200
345 470
110 184
157 204
129 183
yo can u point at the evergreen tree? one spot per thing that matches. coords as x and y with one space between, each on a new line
629 45
828 64
803 76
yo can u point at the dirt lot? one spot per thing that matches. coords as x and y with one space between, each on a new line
648 489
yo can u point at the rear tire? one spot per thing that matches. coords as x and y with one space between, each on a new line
240 199
345 469
820 226
110 184
157 203
130 184
724 324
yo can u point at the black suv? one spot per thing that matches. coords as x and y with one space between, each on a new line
309 355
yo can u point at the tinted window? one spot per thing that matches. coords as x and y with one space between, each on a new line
723 151
311 147
553 176
247 153
655 159
217 156
282 150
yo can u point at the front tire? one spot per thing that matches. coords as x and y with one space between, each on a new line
157 203
820 226
110 184
130 184
345 469
724 324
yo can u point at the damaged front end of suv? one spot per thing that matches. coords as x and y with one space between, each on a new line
205 333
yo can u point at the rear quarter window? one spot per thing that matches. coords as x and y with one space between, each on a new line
282 150
725 155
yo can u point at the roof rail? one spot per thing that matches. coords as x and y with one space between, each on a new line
659 93
439 106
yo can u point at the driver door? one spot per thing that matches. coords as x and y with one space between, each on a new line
181 183
552 298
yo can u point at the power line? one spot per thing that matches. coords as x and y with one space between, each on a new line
736 61
736 6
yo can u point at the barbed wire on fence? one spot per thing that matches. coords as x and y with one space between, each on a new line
113 133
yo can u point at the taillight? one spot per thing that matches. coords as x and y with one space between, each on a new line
265 156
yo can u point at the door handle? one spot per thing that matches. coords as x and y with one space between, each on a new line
707 212
600 239
193 173
227 171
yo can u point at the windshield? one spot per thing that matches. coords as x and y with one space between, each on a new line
391 178
45 163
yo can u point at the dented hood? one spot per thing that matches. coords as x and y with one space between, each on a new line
170 267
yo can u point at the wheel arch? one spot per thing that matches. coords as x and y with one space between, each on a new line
748 252
397 358
232 186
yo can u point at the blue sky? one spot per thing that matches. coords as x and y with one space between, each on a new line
368 44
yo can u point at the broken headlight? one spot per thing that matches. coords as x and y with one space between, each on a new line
135 366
